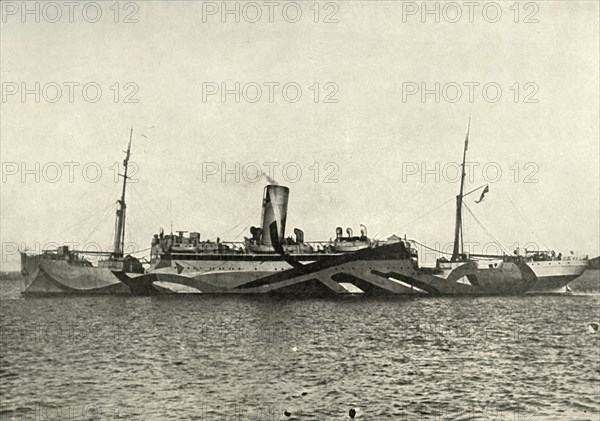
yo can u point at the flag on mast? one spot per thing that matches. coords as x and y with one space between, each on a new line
486 190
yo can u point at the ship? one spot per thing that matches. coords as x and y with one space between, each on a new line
269 262
65 271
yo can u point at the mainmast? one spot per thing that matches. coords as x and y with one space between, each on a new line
458 251
122 207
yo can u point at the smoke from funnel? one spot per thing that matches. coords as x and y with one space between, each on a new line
275 203
269 179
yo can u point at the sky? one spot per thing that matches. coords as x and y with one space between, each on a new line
351 134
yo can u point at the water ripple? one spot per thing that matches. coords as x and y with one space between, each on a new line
220 357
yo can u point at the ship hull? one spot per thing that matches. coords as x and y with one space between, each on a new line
52 277
384 271
554 276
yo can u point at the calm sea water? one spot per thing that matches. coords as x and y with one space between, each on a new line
243 358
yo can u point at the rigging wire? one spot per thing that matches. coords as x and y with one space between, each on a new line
444 252
428 213
485 229
525 219
241 232
467 228
397 214
102 221
128 234
147 206
141 251
254 215
430 248
110 205
162 207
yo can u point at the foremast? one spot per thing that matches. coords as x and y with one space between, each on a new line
119 244
458 251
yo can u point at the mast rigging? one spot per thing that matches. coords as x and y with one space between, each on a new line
119 243
458 250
